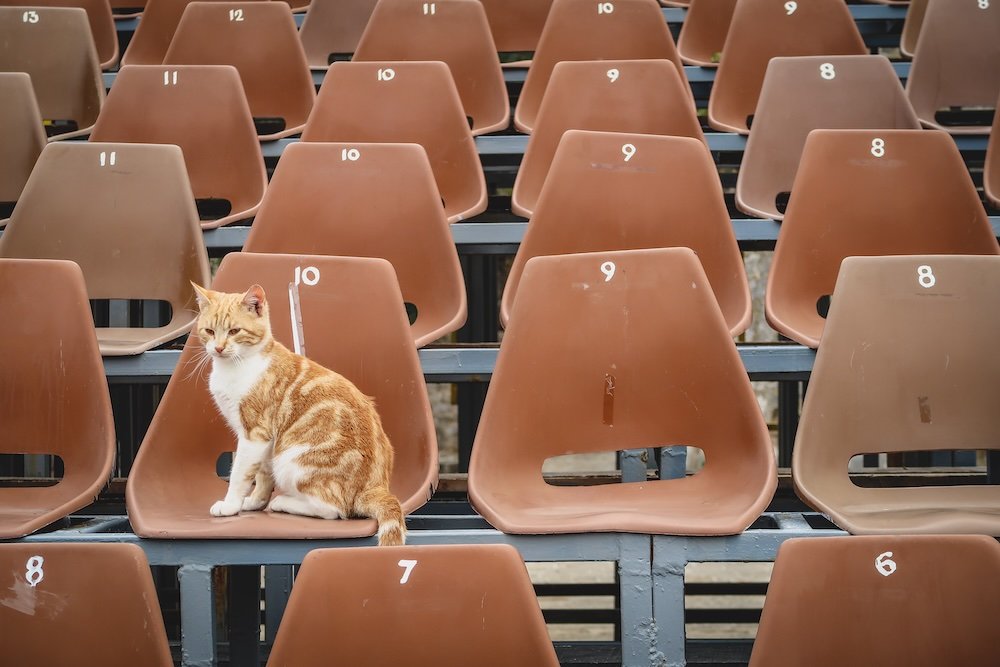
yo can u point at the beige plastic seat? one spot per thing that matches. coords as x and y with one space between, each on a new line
443 606
911 27
202 109
352 323
333 28
906 364
262 43
610 351
517 24
102 25
764 29
331 199
53 394
956 62
404 102
704 31
991 170
613 191
586 30
921 601
868 192
797 98
75 604
22 136
454 32
124 213
54 47
640 96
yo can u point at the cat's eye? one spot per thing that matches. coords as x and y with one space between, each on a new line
233 332
210 332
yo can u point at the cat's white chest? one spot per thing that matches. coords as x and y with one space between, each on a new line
230 382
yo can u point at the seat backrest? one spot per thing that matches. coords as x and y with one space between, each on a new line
404 102
22 135
901 600
704 31
991 170
202 109
906 364
911 27
333 27
53 393
53 45
869 192
956 62
640 96
614 191
587 30
764 29
94 603
102 24
368 200
454 32
352 323
516 24
806 93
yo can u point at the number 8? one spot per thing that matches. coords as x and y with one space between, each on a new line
984 4
33 573
827 72
925 276
878 147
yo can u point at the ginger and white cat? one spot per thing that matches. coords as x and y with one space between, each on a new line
303 431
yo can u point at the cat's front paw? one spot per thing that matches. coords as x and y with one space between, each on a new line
223 508
251 504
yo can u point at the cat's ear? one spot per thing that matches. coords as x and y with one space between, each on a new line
203 295
255 300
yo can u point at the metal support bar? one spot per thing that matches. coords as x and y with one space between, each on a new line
197 616
277 588
634 576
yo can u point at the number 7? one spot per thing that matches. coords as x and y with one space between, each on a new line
407 566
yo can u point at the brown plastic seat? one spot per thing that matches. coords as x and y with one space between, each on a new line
991 170
640 96
796 98
704 31
322 202
613 191
353 324
517 24
922 601
764 29
58 53
956 62
907 363
443 606
262 43
333 27
102 25
917 198
405 102
610 351
911 27
129 223
202 109
454 32
127 9
584 30
22 136
75 604
53 394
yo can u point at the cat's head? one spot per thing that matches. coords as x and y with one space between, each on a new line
233 325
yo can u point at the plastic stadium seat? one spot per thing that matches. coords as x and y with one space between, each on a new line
53 45
405 102
333 27
640 96
125 214
907 363
102 25
587 30
443 606
76 604
797 98
261 41
610 351
127 9
612 191
202 109
911 27
868 192
763 29
353 323
333 199
704 31
517 24
956 62
991 170
22 136
921 601
53 394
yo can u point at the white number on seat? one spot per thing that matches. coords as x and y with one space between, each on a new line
387 74
168 79
105 158
352 154
884 564
926 278
605 7
407 566
308 275
235 14
30 17
827 72
878 147
613 74
790 7
429 8
33 573
628 150
608 269
983 4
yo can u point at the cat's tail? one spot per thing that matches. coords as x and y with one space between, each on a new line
384 507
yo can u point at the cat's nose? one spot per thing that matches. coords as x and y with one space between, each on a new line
219 349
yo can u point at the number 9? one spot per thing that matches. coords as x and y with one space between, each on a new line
608 269
613 75
628 150
790 7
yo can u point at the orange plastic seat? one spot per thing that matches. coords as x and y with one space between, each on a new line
102 25
991 170
331 199
704 31
640 96
610 351
489 615
404 102
612 191
763 29
906 364
54 47
911 27
517 24
72 604
124 213
352 322
202 109
921 601
333 28
53 394
797 97
956 63
454 32
585 30
22 136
